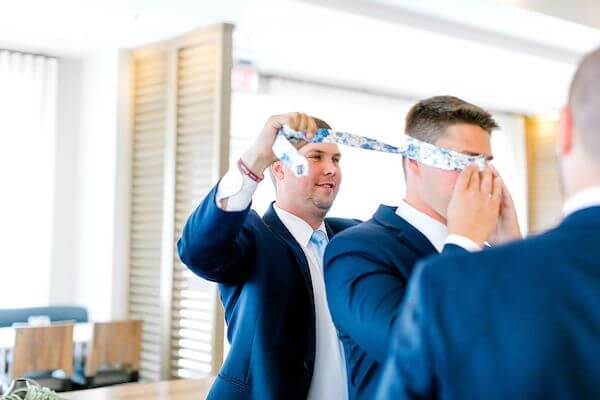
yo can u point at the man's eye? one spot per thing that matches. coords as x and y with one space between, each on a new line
315 157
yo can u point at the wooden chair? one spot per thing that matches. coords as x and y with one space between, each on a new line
113 356
40 352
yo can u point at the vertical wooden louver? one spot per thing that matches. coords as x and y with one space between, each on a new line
544 191
148 148
180 148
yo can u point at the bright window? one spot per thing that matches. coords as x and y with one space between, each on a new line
27 143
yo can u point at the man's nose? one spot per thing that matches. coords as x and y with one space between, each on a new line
329 168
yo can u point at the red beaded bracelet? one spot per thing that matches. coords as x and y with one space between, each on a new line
246 171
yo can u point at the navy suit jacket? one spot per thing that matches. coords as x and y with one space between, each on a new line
265 286
367 268
520 321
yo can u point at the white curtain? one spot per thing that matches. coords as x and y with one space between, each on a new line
27 149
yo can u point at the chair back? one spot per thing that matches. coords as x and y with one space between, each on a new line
43 348
115 343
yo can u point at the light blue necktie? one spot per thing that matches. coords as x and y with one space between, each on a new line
319 239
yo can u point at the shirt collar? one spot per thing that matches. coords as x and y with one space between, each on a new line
300 229
434 230
586 198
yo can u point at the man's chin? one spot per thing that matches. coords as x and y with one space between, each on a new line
323 205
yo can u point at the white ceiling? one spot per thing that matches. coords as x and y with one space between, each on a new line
506 57
584 12
503 57
73 27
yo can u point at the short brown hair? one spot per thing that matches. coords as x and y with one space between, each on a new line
321 124
428 119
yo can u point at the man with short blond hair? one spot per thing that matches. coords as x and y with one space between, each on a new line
368 266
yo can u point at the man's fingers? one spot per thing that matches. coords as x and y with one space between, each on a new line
311 128
275 123
312 125
474 185
496 193
293 121
487 182
464 179
506 196
495 172
303 124
299 122
506 193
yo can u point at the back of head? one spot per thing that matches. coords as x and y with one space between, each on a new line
584 102
428 119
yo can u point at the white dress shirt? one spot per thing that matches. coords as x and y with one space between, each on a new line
586 198
432 229
329 376
329 373
237 188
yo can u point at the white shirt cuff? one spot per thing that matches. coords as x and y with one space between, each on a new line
463 242
237 188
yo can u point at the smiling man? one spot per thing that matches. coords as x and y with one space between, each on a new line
269 270
368 266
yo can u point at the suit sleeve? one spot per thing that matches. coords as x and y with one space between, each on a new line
217 245
363 295
409 371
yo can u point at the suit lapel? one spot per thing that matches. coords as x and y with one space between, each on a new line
279 229
405 232
329 230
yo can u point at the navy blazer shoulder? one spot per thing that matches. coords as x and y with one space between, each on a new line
519 321
265 287
367 268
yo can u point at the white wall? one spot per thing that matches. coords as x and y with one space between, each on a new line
66 199
86 183
27 163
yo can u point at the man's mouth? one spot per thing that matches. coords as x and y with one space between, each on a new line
326 185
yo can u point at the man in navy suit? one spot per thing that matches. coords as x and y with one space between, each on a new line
521 321
368 266
269 270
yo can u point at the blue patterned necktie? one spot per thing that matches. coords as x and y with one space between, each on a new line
319 239
425 153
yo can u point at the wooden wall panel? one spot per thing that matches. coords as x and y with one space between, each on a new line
544 190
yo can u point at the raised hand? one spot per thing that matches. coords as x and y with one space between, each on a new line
260 155
507 227
474 207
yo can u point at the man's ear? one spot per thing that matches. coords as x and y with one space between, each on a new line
564 139
278 170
